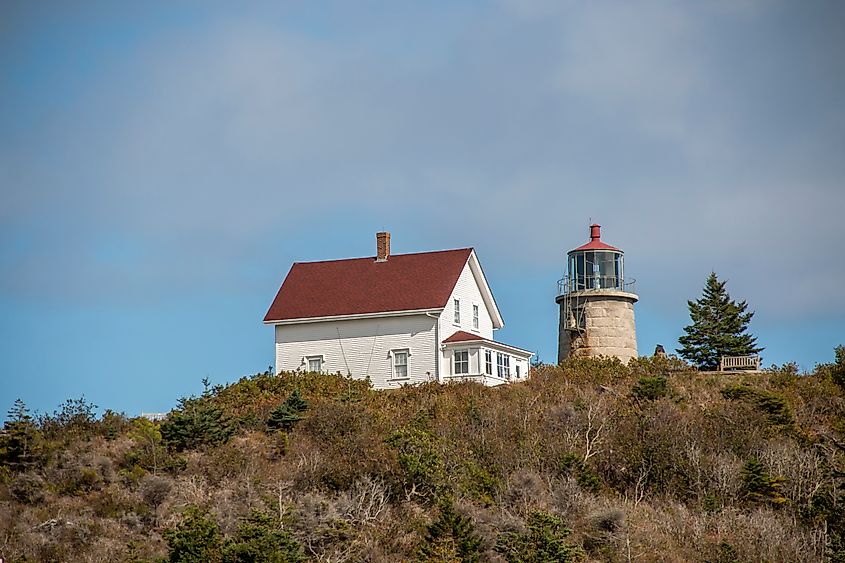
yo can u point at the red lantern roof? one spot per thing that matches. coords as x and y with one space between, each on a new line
595 241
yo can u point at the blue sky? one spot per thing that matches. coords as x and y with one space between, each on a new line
162 165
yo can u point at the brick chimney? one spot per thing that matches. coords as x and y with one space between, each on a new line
382 246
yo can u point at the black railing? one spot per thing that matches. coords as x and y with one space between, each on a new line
573 284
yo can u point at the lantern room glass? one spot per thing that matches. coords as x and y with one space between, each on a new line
595 269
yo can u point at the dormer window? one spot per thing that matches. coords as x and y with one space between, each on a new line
457 305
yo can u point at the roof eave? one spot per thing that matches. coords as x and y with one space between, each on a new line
489 343
354 316
486 292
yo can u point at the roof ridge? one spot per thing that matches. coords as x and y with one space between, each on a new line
470 248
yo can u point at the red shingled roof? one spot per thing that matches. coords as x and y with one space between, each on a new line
404 282
463 336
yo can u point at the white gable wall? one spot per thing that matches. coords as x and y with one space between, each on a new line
362 347
469 294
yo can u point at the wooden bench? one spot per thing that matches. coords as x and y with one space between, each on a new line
733 363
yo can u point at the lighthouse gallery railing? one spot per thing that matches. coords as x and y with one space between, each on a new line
574 284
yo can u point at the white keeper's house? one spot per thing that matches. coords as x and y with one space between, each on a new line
401 319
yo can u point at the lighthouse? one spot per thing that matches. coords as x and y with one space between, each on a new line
596 303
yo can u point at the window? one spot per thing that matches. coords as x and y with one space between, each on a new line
488 362
400 364
517 371
503 365
315 363
457 304
461 360
475 317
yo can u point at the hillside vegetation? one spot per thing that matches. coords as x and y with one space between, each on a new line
592 461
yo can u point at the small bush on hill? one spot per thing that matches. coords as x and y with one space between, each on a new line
451 538
759 486
651 388
259 539
196 539
774 406
423 471
197 422
21 442
288 413
545 539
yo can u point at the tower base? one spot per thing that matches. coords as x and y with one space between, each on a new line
597 323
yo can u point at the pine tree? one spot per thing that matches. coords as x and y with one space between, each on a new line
195 423
260 538
451 538
196 539
544 540
288 413
718 327
759 485
20 442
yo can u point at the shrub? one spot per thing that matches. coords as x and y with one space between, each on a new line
572 465
650 388
76 419
423 469
195 540
20 441
155 490
197 422
451 538
259 539
288 413
113 424
836 370
603 529
543 540
774 406
27 488
759 485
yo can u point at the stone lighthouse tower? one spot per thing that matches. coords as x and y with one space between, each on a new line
596 303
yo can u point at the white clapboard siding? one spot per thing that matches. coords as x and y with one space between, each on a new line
361 347
468 292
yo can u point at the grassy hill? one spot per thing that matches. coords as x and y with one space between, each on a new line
592 460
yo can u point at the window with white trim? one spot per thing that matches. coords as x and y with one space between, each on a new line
503 365
457 305
400 364
475 317
315 363
517 371
460 362
488 362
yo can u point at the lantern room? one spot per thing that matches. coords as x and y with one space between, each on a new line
595 265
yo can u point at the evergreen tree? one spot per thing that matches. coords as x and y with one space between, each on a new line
21 441
759 485
451 538
837 369
286 415
260 539
718 327
196 539
543 541
195 423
